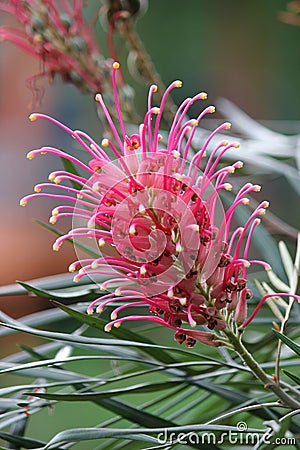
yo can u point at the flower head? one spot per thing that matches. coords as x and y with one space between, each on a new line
60 38
155 215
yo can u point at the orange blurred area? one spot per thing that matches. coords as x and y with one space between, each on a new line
26 248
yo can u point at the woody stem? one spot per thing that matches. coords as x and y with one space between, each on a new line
259 372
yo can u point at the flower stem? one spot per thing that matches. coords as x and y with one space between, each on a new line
259 372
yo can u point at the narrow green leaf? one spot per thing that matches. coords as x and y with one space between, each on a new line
86 295
292 376
286 261
287 341
86 434
122 433
59 281
120 333
21 441
91 396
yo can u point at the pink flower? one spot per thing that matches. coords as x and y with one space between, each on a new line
60 38
158 222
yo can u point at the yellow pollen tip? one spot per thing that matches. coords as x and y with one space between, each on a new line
178 176
178 247
51 177
107 328
247 264
156 110
154 88
246 201
56 247
105 142
193 323
212 109
204 154
170 293
231 169
57 180
227 125
239 165
142 209
176 154
236 145
159 138
257 188
32 117
98 97
178 83
76 279
29 155
268 268
143 270
43 153
182 301
23 202
118 292
72 268
203 95
99 310
266 204
117 325
37 189
116 65
102 288
228 187
90 311
55 212
101 242
194 123
113 316
262 212
224 143
53 220
132 229
94 265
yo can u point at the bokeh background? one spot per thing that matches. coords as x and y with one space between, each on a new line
232 49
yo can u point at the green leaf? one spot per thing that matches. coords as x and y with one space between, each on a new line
59 281
287 261
87 295
91 396
292 376
291 344
120 333
76 435
21 441
85 434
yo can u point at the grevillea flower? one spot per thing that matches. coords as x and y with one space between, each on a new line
58 35
158 221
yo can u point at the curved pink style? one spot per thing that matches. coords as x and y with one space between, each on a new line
157 219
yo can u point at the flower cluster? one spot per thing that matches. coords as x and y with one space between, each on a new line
158 221
58 35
